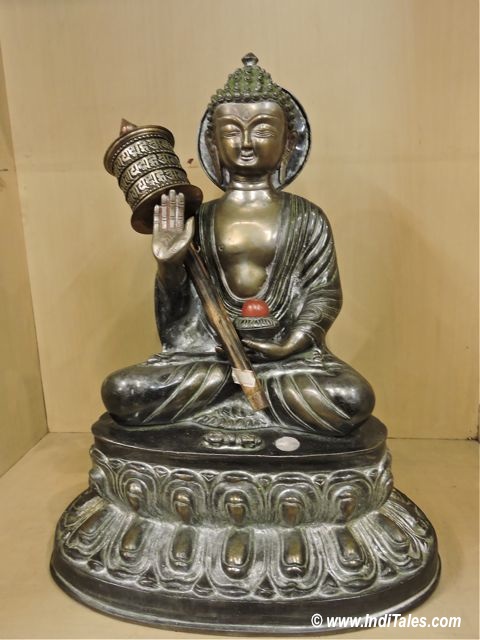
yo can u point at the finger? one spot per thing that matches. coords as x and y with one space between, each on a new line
175 220
180 210
172 197
274 352
257 346
156 219
164 209
271 349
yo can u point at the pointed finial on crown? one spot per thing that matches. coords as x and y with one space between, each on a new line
250 60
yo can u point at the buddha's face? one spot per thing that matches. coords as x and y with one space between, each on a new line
250 137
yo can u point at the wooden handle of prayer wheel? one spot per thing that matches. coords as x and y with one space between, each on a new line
242 371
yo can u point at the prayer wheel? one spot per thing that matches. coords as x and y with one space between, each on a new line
146 167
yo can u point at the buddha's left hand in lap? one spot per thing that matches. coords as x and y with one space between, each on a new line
296 342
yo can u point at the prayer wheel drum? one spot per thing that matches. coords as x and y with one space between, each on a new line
146 167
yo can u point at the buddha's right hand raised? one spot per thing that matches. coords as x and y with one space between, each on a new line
171 237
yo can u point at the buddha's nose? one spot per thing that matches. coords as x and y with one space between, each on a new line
246 139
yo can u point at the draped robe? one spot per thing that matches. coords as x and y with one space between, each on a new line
312 390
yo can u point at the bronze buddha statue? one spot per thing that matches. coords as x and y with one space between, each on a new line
259 243
219 509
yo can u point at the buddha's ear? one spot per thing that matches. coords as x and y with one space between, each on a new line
289 147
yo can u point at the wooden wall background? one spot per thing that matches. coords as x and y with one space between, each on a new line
391 90
22 411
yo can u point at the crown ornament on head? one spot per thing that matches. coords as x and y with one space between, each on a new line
251 83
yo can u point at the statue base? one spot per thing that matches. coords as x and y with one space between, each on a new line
192 527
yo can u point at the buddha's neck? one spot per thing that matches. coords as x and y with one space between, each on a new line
254 190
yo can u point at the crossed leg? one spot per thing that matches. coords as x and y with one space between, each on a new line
160 391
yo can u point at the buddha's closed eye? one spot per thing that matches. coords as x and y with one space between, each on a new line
265 131
230 131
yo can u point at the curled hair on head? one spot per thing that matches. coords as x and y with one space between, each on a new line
251 83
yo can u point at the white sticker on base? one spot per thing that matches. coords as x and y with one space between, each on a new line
287 443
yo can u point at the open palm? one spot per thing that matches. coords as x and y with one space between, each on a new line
171 237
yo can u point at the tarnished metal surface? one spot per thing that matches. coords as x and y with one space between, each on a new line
330 535
201 512
257 243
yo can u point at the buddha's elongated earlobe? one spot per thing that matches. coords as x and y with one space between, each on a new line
282 170
289 146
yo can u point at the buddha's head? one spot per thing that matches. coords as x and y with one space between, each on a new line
251 126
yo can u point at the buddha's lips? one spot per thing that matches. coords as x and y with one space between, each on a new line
247 156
